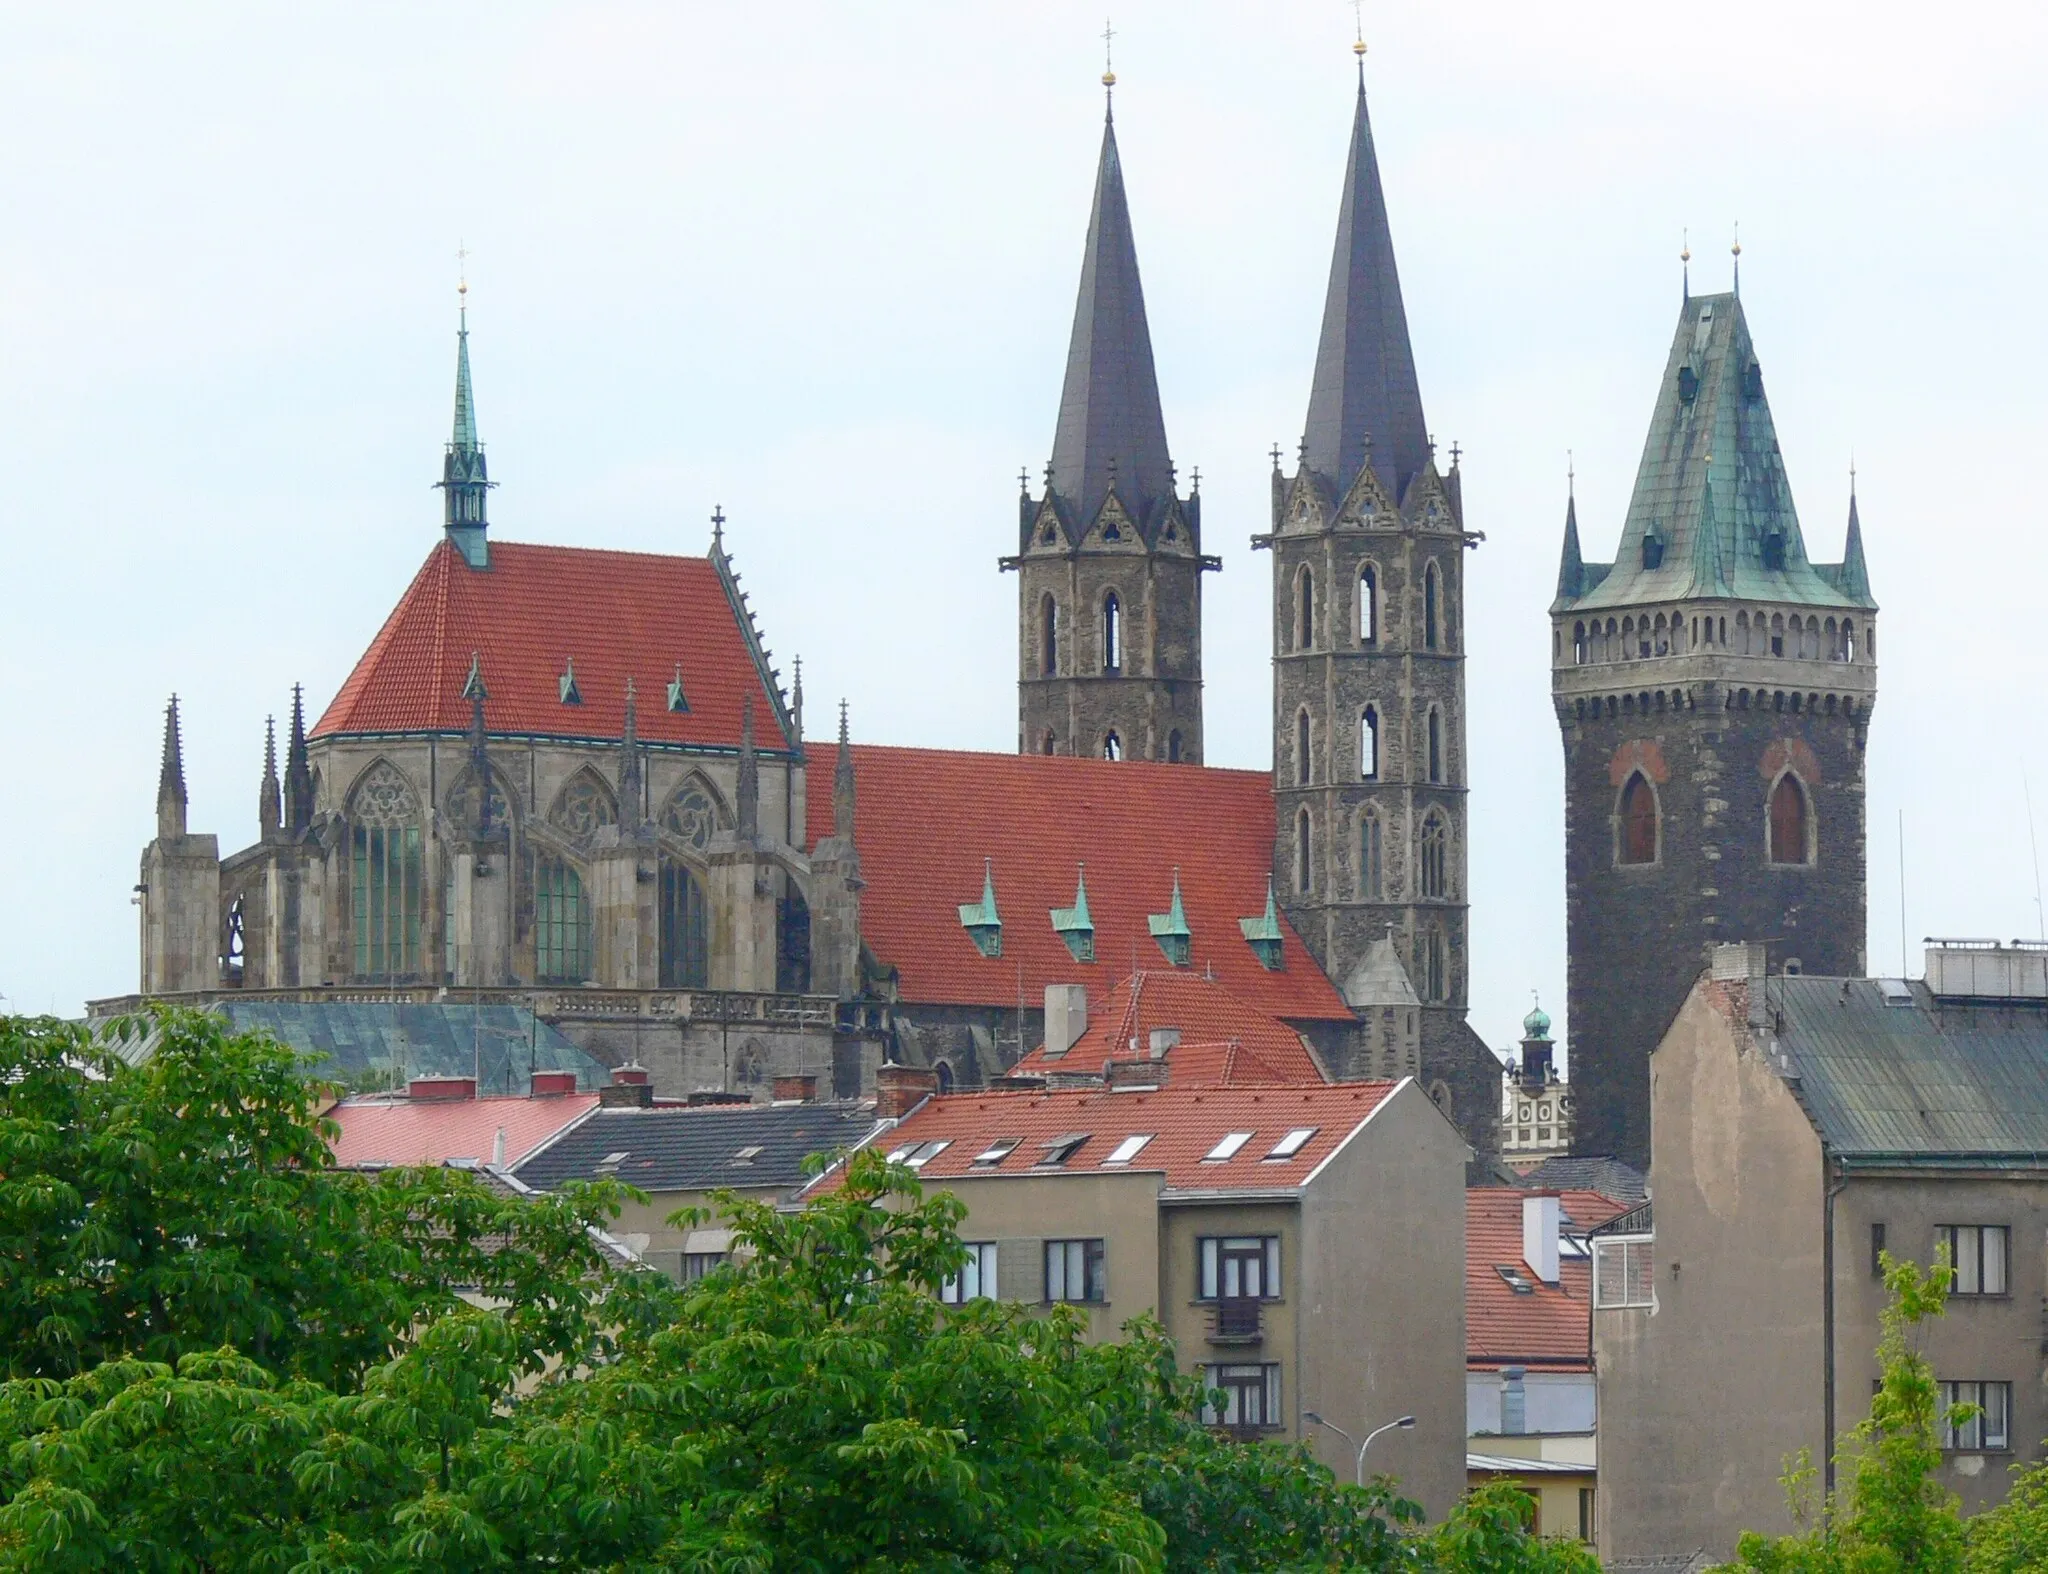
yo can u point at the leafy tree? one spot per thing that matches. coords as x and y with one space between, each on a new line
1491 1532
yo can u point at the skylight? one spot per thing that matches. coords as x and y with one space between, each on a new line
919 1154
1293 1142
748 1154
1517 1281
998 1150
1227 1148
1062 1148
614 1158
1129 1148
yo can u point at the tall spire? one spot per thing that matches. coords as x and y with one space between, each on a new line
1571 568
464 478
1365 403
1855 574
170 780
1110 431
631 809
842 782
269 811
749 786
298 769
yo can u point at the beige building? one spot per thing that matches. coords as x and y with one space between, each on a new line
1801 1125
1303 1246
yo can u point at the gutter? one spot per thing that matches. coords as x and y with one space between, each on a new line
1834 1187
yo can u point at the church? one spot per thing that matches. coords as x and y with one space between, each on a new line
573 780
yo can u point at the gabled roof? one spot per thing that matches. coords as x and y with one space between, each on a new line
395 1130
1614 1179
699 1148
932 820
1547 1326
535 609
1711 490
1223 1041
1184 1124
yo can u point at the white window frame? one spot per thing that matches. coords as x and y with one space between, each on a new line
1210 1278
1129 1148
1291 1144
1979 1257
1077 1271
1635 1277
1227 1146
1987 1432
976 1280
1213 1377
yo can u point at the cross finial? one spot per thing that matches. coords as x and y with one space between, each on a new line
718 525
1685 261
1108 58
1358 44
1571 475
1024 481
1276 458
1457 453
1198 481
1852 477
1735 251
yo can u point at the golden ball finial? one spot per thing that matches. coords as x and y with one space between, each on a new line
1358 48
1109 79
1685 255
462 287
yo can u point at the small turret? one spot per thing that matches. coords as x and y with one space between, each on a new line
842 783
632 810
170 780
298 770
464 479
269 807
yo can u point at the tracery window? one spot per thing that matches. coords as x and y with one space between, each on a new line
1436 744
692 815
387 875
1302 771
792 942
685 929
1434 981
1369 744
1112 633
1368 605
1305 611
1638 839
584 805
1371 864
1435 856
561 922
1790 841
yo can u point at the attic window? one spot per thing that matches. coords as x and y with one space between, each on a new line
571 695
1517 1281
918 1154
1062 1148
1653 550
1128 1149
676 701
748 1154
1227 1147
612 1161
998 1150
1293 1142
1774 549
1752 382
1688 385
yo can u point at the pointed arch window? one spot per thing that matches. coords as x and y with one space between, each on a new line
1637 841
685 938
1430 631
1369 744
1112 634
1301 853
1436 744
1175 748
792 941
1435 857
1368 605
387 875
1791 828
561 922
1112 746
1048 637
1305 610
1302 772
1434 970
1371 862
1049 743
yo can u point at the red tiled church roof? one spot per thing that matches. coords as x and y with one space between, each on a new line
1222 1039
615 614
1551 1325
927 818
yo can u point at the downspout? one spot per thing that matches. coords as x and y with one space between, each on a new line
1835 1187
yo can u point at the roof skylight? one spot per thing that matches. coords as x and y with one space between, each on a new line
1129 1148
1293 1142
998 1150
748 1154
1227 1147
1062 1148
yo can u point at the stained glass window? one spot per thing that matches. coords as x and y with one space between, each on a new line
561 922
387 875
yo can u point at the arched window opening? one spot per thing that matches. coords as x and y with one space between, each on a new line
1777 634
1436 744
387 871
685 929
1112 633
1302 772
792 941
1848 640
1371 865
1048 637
1368 605
1301 852
1638 828
1049 743
1305 610
1112 746
1435 857
561 922
1790 832
1433 969
1174 747
1429 609
944 1073
1579 644
1369 744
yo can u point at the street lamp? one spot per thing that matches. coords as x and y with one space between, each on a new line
1358 1465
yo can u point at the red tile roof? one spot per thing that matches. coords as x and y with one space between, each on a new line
1551 1326
928 818
383 1129
1185 1124
1222 1040
615 614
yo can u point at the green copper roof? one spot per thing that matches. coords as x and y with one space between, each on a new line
1712 514
1263 933
1170 928
984 925
465 402
1073 925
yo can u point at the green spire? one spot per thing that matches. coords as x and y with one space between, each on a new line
464 440
464 479
1264 935
1170 928
984 925
1073 925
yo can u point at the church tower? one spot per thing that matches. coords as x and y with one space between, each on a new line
1714 690
1109 559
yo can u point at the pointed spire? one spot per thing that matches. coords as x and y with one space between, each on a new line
796 700
1170 928
269 807
749 787
1365 404
465 480
1855 575
298 769
842 782
1571 567
170 779
630 792
1073 924
1264 935
1110 431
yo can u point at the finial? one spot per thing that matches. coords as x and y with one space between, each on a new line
462 275
1023 482
718 526
1685 261
842 724
1197 490
1735 251
1571 476
1108 65
1358 43
1276 459
1852 475
1457 453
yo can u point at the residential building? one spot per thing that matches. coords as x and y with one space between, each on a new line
1302 1246
1803 1126
441 1120
1167 1026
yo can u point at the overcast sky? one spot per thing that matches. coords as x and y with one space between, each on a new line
817 263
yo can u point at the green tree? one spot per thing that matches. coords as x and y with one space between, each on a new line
1492 1532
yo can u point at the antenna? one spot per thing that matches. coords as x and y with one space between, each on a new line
2040 915
1902 895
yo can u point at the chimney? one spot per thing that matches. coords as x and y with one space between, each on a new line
705 1096
553 1084
1539 1234
626 1095
633 1074
1135 1073
1066 1016
1163 1039
900 1089
1514 1401
795 1090
441 1088
498 1150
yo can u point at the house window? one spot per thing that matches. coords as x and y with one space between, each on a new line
561 923
1239 1267
1638 821
1436 744
1370 881
1246 1398
1435 883
1369 744
1048 636
1302 770
1977 1257
1990 1428
918 1154
1074 1271
697 1264
1368 605
976 1279
1589 1515
1621 1272
1429 616
1877 1251
1789 842
1112 633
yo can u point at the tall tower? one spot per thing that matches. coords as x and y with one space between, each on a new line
464 479
1368 546
1714 690
1109 559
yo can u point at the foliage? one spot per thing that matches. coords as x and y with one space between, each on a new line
1490 1532
2014 1535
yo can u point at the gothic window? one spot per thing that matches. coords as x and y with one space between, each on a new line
1579 650
583 805
1369 744
692 814
1305 610
460 805
1174 747
1791 837
685 929
234 951
1048 637
750 1065
1637 842
1371 865
1848 640
792 943
1301 852
1112 633
1049 743
1301 749
1436 744
945 1075
1433 968
1368 605
561 922
387 875
1777 634
1435 856
1112 746
1429 608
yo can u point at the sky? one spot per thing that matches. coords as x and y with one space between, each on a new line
816 264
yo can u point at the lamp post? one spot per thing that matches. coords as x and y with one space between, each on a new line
1358 1464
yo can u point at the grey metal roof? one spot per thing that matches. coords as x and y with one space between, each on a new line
685 1149
1110 425
1365 383
1608 1176
1712 489
1932 1082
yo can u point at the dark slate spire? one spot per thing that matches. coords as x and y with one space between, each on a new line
298 769
170 779
1110 429
749 786
1571 568
1365 397
464 480
1854 579
269 811
842 783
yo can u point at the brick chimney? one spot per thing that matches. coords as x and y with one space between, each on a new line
553 1084
900 1089
632 1074
626 1095
441 1088
795 1090
1134 1073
